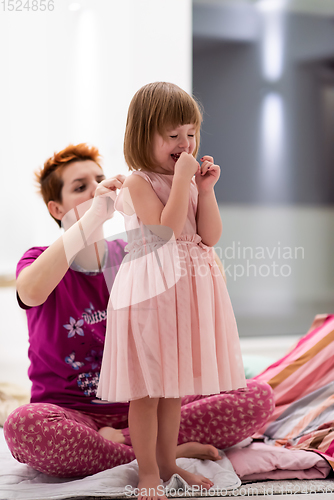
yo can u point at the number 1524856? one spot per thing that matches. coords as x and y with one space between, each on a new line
27 5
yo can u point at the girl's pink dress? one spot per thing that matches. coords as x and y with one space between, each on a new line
171 330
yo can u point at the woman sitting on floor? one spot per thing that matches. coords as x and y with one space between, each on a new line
64 288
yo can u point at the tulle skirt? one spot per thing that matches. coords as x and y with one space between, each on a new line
171 329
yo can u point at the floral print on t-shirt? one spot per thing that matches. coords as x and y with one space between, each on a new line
87 382
74 327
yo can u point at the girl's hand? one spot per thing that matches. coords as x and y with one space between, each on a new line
186 165
105 194
207 174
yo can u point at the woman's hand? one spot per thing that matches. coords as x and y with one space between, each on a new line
207 174
105 194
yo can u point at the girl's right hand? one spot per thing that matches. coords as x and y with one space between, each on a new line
186 165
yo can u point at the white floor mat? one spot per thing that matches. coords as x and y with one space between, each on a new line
21 482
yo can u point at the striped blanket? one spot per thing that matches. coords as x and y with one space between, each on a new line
303 383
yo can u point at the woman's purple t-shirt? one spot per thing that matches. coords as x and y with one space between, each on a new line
67 333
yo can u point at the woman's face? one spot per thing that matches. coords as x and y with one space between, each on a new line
80 180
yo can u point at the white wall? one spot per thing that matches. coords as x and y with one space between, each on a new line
279 266
265 124
68 76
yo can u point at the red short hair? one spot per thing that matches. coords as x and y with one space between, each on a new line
49 177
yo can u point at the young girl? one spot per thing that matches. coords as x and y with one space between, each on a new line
171 328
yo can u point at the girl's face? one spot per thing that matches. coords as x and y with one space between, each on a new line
166 150
80 179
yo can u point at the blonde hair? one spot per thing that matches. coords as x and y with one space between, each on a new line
156 107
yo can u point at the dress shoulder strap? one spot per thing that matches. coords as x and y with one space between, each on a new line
144 175
123 203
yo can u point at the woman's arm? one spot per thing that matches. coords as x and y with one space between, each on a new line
35 282
151 210
209 224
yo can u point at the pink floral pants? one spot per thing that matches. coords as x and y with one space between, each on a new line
65 443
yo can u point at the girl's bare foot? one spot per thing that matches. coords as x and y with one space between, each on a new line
197 450
189 477
112 434
150 487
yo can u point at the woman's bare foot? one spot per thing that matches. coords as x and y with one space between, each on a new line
115 435
197 450
150 487
189 477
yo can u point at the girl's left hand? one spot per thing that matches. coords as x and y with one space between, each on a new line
207 175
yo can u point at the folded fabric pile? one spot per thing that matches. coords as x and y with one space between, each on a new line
260 461
303 386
